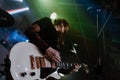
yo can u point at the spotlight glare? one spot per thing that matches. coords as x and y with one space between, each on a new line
61 74
53 16
27 41
18 0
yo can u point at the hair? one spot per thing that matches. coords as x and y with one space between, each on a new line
61 22
44 23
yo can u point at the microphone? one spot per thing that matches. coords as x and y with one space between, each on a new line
92 9
98 9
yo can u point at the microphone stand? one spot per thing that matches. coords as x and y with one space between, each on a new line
100 33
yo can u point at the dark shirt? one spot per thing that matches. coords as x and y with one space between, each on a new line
47 37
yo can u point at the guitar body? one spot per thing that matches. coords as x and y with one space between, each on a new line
26 62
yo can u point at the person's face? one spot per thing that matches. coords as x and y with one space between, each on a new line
36 28
61 28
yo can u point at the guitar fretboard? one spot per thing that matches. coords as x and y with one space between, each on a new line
39 62
65 65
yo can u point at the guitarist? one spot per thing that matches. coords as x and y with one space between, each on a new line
49 37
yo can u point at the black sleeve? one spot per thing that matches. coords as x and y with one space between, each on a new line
36 39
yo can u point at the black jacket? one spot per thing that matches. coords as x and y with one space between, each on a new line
48 35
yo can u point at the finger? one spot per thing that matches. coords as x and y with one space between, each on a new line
55 59
58 58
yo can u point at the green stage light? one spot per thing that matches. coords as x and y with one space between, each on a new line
53 16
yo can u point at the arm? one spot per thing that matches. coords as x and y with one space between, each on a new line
36 39
48 51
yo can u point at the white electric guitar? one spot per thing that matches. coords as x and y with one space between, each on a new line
27 63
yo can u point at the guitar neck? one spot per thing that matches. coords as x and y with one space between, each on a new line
65 65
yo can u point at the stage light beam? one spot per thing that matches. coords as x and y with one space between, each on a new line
18 10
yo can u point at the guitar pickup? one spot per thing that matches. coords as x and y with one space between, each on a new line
32 61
